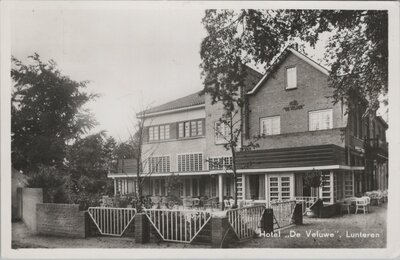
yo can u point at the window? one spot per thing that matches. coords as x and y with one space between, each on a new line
190 162
193 126
320 120
156 136
151 133
218 163
270 125
280 187
190 128
159 164
159 187
195 187
166 131
291 78
221 133
187 129
199 127
187 187
326 187
348 184
158 132
162 132
180 130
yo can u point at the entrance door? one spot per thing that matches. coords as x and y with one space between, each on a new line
281 187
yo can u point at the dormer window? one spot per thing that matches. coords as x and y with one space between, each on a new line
291 78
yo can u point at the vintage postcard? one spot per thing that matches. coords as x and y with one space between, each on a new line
195 129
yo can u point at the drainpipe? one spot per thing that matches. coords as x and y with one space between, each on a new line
220 190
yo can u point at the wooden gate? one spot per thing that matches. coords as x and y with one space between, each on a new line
178 225
112 221
283 212
246 221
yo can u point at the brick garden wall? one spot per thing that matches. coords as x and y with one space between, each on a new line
30 198
60 220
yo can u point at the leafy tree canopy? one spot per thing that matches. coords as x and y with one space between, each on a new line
357 51
88 161
47 113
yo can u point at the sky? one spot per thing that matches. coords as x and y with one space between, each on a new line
133 58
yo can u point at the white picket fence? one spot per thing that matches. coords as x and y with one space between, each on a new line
306 202
112 221
178 225
246 221
283 212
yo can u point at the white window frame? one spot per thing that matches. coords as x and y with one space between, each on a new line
293 85
151 133
166 129
319 116
162 132
221 135
181 130
185 165
159 169
223 160
159 132
270 119
199 127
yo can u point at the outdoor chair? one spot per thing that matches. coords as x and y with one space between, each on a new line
385 195
345 205
207 203
368 199
227 204
187 203
214 202
196 202
361 204
376 197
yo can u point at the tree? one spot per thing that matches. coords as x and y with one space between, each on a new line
87 163
137 140
47 113
124 150
357 51
313 179
52 181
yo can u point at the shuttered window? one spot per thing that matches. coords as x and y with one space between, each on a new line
291 78
270 125
320 120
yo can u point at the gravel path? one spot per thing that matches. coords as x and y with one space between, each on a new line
372 223
22 238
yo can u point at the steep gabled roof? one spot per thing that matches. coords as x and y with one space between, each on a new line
278 61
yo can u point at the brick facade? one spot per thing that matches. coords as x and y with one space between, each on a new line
312 92
269 98
61 220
